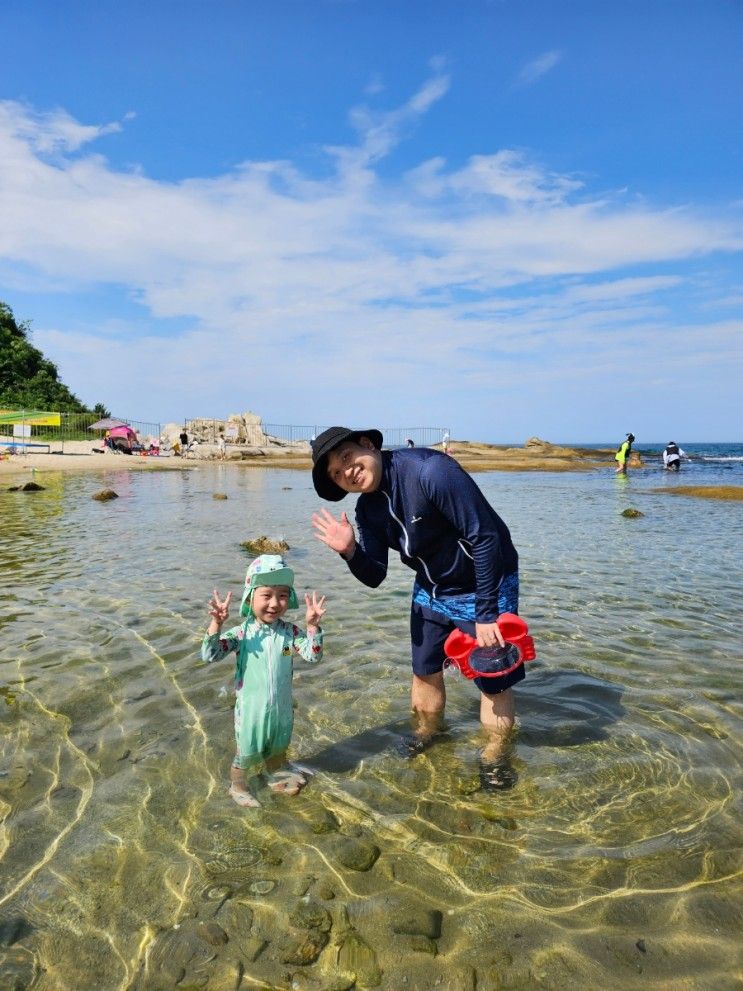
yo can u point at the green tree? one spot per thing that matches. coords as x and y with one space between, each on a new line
28 380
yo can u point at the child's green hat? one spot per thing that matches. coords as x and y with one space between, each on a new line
268 569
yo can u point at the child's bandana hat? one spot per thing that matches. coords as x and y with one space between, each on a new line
268 569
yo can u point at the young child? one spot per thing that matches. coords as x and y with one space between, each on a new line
265 647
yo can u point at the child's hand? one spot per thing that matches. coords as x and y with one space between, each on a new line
315 610
219 609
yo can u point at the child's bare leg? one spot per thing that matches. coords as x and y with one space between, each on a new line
239 792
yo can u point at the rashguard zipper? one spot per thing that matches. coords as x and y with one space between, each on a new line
271 692
407 545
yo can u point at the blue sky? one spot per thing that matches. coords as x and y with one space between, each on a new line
510 218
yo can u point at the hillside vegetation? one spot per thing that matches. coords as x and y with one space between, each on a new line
28 380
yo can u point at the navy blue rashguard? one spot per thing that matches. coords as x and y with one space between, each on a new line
433 514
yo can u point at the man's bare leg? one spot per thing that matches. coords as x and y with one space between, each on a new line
497 715
428 698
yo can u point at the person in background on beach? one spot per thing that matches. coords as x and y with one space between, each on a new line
183 438
221 447
672 456
410 442
265 647
622 455
427 508
445 442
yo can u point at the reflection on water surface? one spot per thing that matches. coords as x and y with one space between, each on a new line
614 862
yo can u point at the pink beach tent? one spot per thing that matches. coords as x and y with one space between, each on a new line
123 431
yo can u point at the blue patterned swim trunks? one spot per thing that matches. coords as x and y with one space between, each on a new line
432 620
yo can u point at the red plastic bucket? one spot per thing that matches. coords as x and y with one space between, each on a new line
459 646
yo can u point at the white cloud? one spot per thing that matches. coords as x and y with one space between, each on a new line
50 132
537 68
423 280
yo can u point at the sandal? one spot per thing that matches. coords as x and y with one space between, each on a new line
497 776
410 745
243 798
286 783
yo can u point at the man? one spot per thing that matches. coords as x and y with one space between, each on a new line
672 456
423 505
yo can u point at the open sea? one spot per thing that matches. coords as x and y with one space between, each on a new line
615 862
708 464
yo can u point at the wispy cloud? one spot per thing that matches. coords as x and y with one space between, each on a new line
537 68
51 131
441 274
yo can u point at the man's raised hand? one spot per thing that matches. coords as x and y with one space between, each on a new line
337 534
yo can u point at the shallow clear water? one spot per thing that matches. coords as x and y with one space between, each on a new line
615 861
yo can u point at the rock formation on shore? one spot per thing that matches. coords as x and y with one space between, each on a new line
239 430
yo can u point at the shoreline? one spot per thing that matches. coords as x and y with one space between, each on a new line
472 456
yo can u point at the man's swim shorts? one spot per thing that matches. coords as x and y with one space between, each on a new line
432 620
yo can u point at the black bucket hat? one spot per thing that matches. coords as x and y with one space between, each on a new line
322 446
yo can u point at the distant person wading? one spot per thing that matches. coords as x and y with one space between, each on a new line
672 456
623 453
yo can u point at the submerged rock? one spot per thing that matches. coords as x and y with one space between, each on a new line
14 928
27 487
220 495
105 495
324 982
263 545
404 915
320 820
305 949
357 855
419 944
416 920
18 969
632 514
310 915
251 947
732 493
357 957
212 933
170 956
239 919
324 891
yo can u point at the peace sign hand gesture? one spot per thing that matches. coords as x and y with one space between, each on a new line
219 610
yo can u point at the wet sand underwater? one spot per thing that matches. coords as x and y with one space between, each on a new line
614 862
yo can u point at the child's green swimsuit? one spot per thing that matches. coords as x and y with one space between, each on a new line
263 682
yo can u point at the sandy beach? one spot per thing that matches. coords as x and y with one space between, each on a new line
474 456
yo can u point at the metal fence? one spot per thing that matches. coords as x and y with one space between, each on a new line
263 434
75 426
